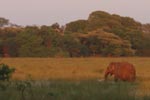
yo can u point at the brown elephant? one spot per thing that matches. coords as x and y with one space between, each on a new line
121 70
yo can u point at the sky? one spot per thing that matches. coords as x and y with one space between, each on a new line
47 12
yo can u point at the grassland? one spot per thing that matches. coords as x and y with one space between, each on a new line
71 68
77 69
70 90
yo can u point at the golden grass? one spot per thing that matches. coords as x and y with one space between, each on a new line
71 68
75 68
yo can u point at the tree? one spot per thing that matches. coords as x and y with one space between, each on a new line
5 72
55 26
30 43
94 44
71 45
98 18
77 26
3 22
1 52
104 43
8 41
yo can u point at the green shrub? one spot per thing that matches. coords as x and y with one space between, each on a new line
5 72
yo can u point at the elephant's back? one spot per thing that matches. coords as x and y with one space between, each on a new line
126 71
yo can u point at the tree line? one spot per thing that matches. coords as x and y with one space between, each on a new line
102 34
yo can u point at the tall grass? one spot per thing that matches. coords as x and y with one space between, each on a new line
70 68
73 69
69 90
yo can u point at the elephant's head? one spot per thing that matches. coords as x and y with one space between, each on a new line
110 70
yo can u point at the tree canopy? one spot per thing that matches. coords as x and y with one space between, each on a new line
102 34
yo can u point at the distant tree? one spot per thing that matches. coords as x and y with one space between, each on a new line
146 30
84 51
55 26
50 36
58 28
8 41
3 22
9 47
101 34
1 52
77 26
103 44
130 23
144 47
98 19
71 45
34 30
30 44
94 44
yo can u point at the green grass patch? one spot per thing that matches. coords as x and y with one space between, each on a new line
68 90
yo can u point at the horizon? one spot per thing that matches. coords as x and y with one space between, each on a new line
47 12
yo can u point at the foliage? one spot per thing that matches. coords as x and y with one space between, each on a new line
102 34
5 72
70 44
124 27
105 44
145 42
29 43
3 21
77 26
55 26
145 47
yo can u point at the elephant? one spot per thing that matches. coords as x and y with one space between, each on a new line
123 71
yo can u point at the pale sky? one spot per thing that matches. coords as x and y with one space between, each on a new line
47 12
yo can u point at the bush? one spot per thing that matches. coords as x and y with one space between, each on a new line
5 72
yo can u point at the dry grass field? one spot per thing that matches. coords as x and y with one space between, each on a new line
75 69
